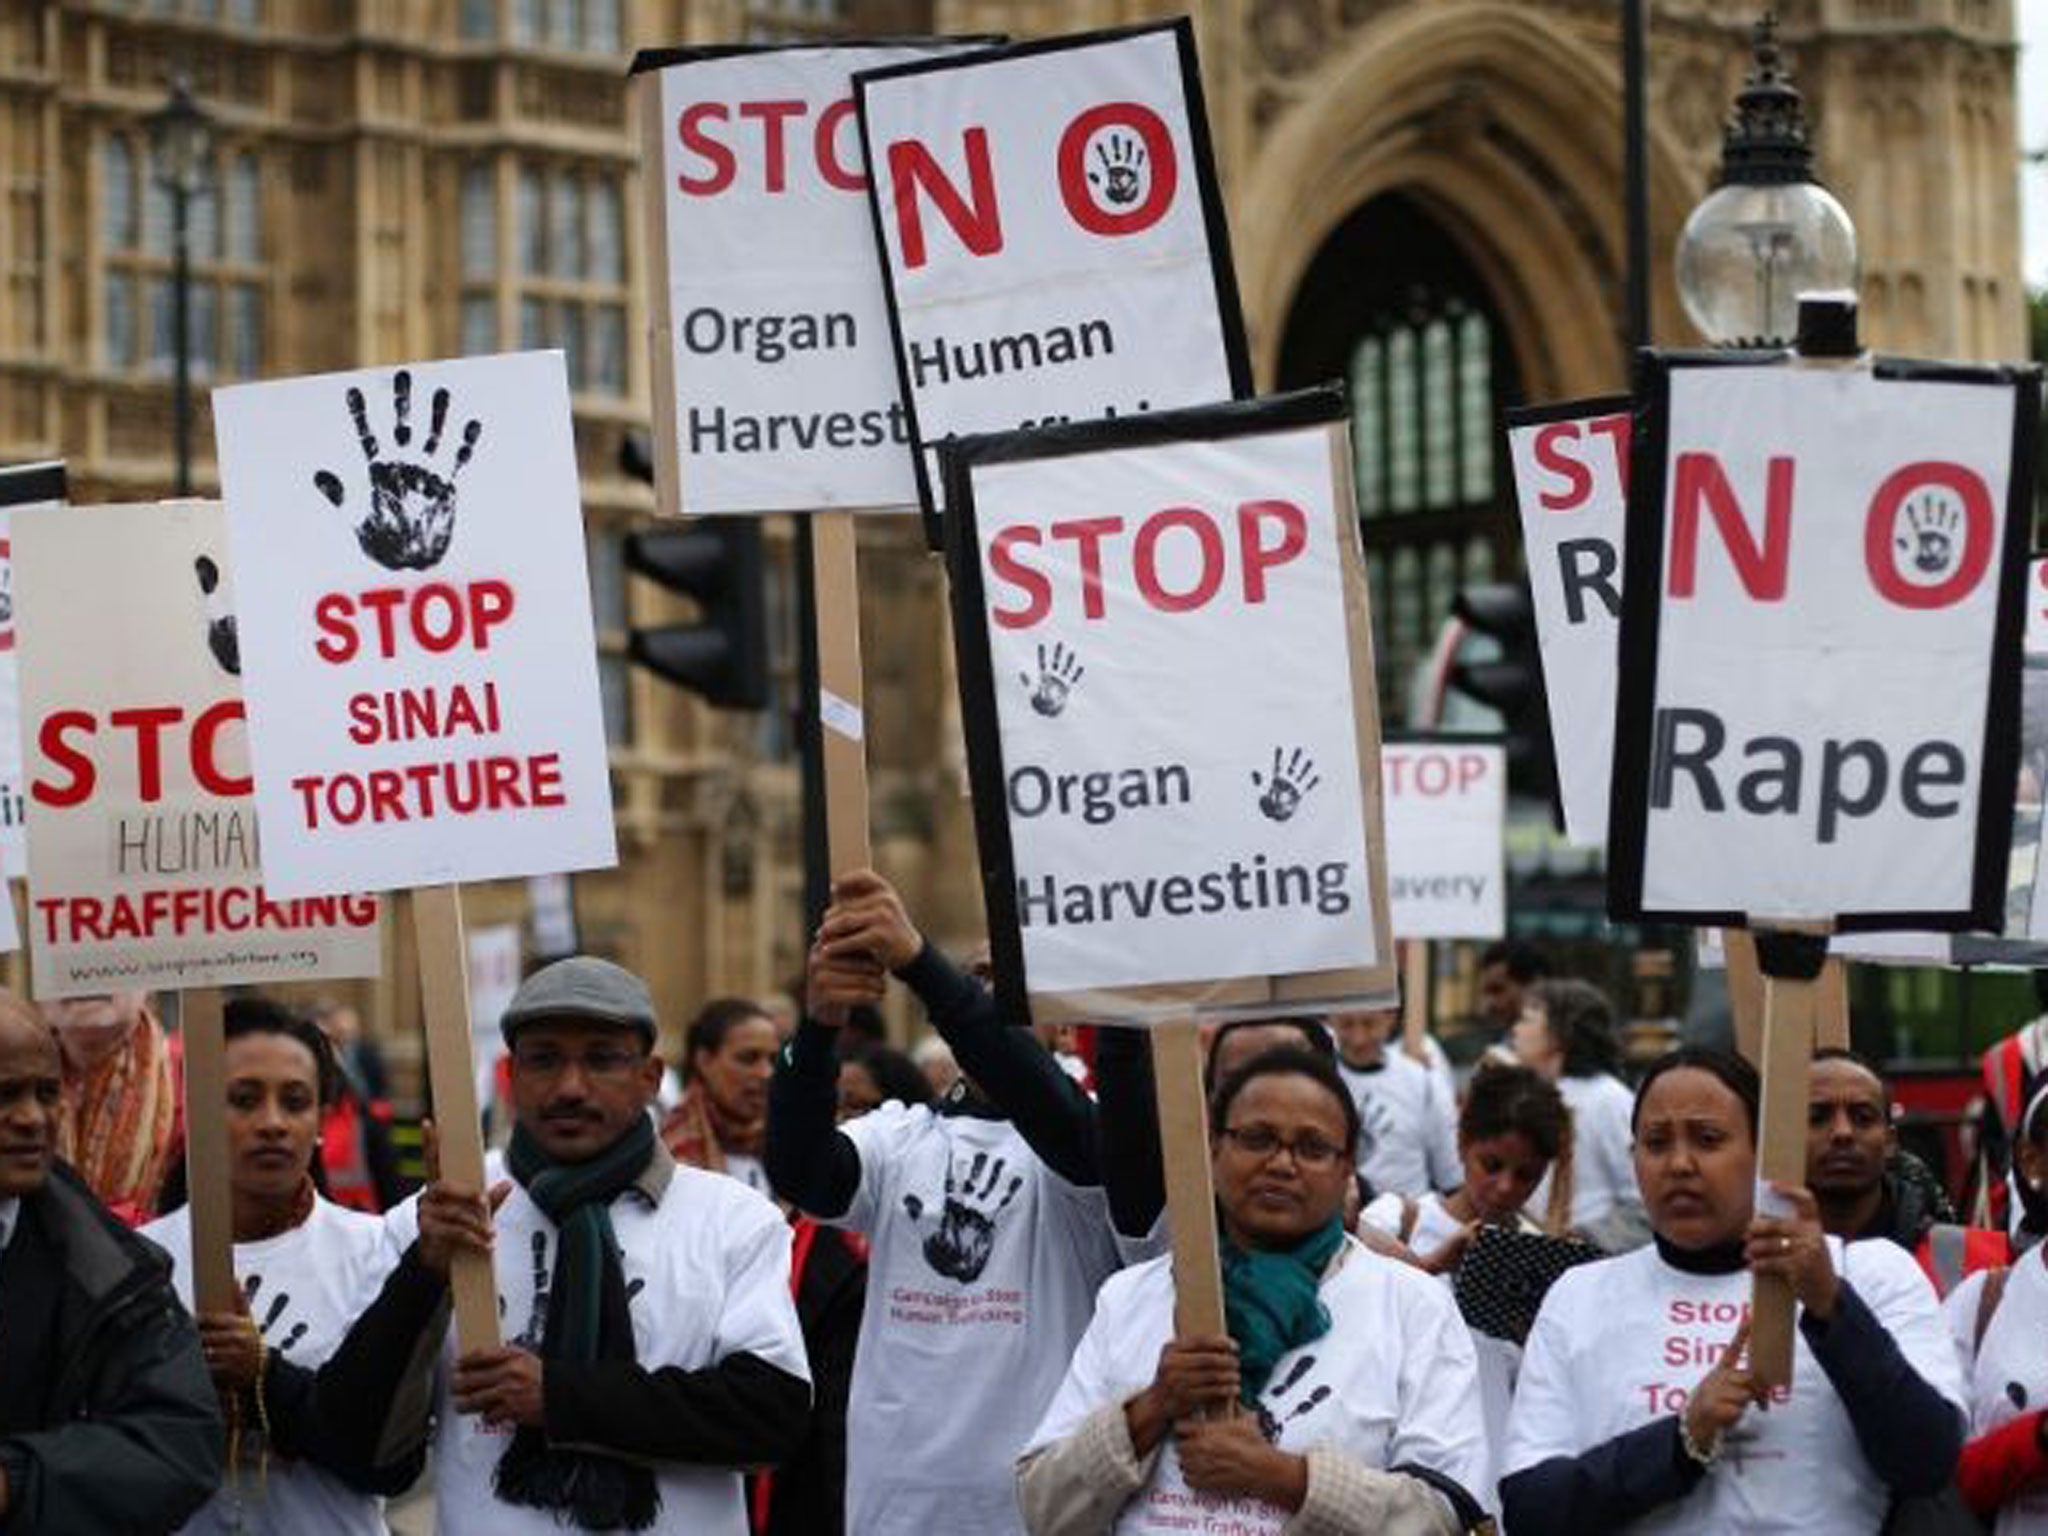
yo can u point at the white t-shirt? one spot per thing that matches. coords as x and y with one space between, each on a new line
1407 1129
1391 1383
2009 1375
1434 1223
707 1276
982 1268
305 1287
1603 1159
750 1171
1624 1341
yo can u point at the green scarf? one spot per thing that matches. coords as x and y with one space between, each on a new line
587 1322
1270 1302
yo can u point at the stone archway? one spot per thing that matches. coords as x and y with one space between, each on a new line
1507 128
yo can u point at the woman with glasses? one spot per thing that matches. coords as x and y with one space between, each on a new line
1344 1397
1637 1408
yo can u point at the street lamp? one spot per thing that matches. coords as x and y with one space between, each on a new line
181 136
1769 232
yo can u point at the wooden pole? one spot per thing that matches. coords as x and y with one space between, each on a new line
206 1150
1415 998
1190 1191
451 1077
1791 962
835 572
1745 992
1831 1030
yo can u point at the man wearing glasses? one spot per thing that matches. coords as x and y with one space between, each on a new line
653 1346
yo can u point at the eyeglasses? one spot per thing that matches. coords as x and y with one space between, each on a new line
1309 1151
602 1063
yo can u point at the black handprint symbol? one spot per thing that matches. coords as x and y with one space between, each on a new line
221 637
966 1234
1933 525
1057 675
412 505
1286 784
1271 1418
271 1318
537 1315
1122 158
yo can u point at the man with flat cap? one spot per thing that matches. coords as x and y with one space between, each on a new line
652 1345
108 1422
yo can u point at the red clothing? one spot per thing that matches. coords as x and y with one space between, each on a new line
1996 1466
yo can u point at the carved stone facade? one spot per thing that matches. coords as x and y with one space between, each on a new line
421 179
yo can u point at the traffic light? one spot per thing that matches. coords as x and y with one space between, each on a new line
717 562
1511 683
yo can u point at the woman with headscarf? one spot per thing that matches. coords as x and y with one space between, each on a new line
1636 1407
1345 1397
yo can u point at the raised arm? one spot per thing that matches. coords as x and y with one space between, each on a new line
813 1165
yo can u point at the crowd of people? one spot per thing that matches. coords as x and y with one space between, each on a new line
820 1286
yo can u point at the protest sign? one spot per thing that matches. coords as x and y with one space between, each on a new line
1821 608
1052 236
147 868
494 968
1172 731
1571 481
775 383
420 661
21 485
1446 807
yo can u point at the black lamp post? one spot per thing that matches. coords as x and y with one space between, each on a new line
181 135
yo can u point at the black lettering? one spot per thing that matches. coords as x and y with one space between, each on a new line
1932 764
1835 756
1784 776
1668 758
1588 565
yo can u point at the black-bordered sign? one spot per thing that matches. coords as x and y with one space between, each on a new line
1820 649
1052 236
1172 725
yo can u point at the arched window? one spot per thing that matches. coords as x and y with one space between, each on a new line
1394 307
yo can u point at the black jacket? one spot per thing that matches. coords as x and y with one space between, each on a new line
108 1420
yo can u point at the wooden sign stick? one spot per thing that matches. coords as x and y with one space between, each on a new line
1791 960
206 1150
1745 993
835 573
1831 1029
1415 998
1190 1191
451 1078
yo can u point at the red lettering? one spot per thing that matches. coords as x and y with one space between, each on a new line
1617 430
544 781
490 604
1882 543
775 158
337 642
1698 478
66 758
825 144
148 725
1089 532
1552 458
1074 175
911 167
1471 769
205 756
1036 588
690 130
1260 557
384 602
1146 559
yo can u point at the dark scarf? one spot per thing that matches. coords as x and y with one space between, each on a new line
587 1322
1271 1305
1715 1259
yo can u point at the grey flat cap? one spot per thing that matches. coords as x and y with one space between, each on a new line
581 987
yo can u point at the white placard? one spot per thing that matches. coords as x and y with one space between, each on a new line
1571 483
147 866
421 667
1446 805
1831 553
21 485
776 330
494 967
551 906
1052 237
1170 804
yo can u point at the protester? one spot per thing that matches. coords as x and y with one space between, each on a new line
2012 1069
1567 1033
1407 1137
874 1075
722 1121
120 1130
653 1349
306 1268
1853 1162
1358 1376
107 1420
988 1228
1505 969
1633 1407
1998 1318
356 1151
